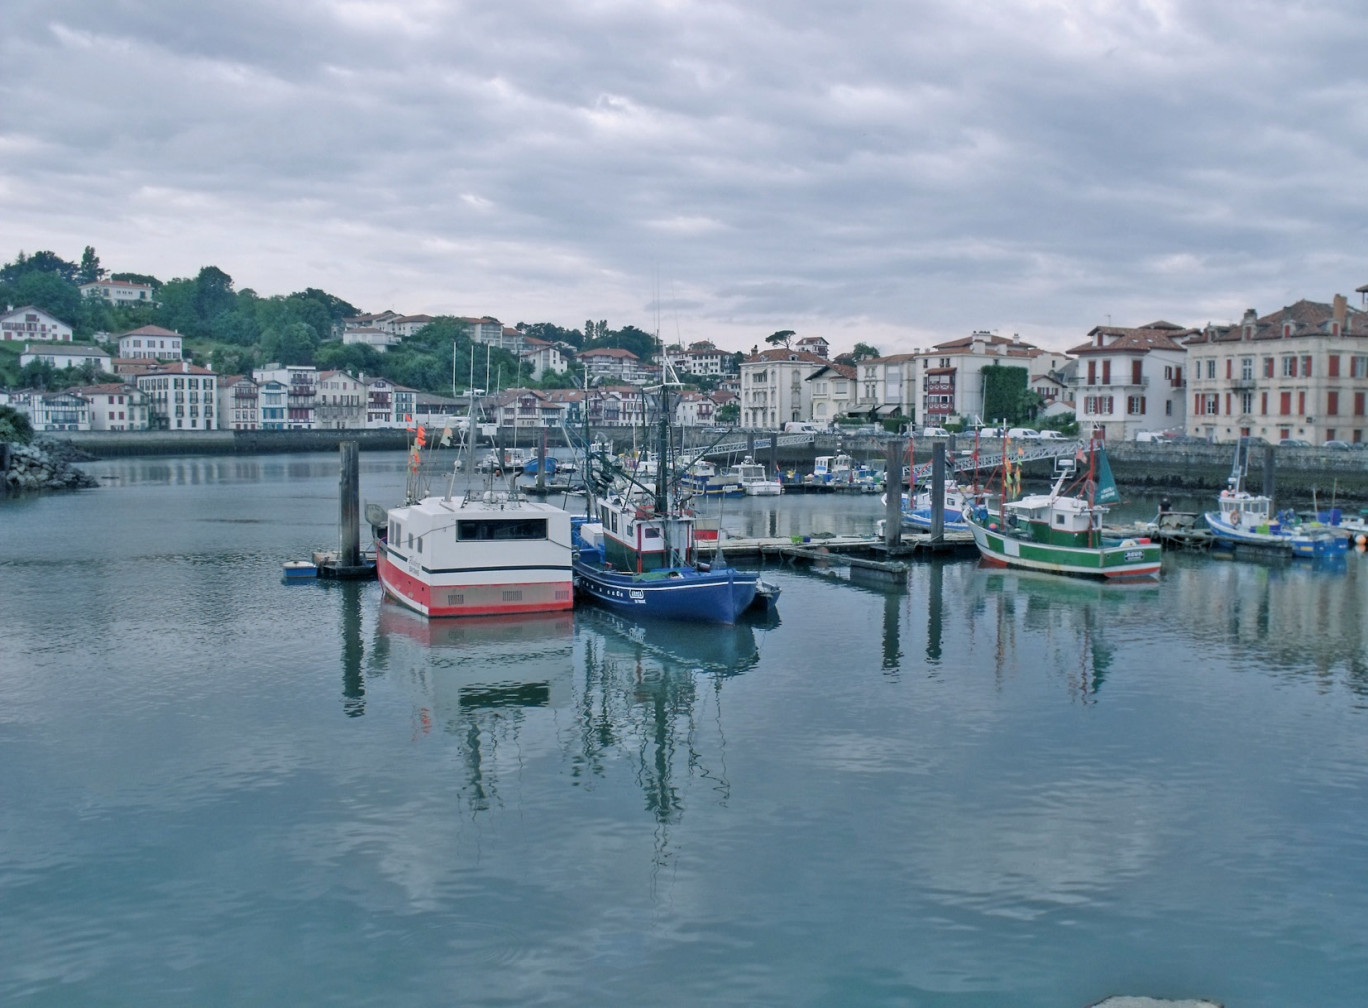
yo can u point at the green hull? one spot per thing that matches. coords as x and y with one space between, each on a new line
1127 558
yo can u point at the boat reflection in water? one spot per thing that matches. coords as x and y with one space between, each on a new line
1068 626
726 649
652 699
492 684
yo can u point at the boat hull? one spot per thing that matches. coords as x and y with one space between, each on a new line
712 596
1128 558
474 592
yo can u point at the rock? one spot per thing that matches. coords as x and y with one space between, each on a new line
33 467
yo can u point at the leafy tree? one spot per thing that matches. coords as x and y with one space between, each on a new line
863 351
15 426
89 270
728 412
37 374
151 281
780 338
228 361
1006 394
293 343
356 358
213 293
39 262
47 290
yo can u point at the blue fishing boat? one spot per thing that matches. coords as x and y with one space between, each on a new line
636 551
1244 519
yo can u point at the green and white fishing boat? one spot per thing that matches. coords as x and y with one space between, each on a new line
1061 531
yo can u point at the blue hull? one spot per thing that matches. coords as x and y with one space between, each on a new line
1316 542
920 521
678 593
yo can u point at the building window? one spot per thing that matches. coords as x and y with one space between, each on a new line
1135 405
1247 368
1289 367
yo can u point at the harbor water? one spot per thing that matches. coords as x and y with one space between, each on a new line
977 788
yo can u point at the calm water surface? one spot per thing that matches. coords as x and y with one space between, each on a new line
982 788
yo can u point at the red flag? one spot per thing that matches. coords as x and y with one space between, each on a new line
421 439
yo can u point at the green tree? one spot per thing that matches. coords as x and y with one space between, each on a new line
1006 395
863 351
39 262
15 426
780 338
89 271
37 374
46 290
213 293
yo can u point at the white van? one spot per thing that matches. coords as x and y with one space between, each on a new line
934 432
1052 435
1023 434
801 427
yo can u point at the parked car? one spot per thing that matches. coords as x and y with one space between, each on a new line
1288 442
1336 445
934 432
1053 435
1023 434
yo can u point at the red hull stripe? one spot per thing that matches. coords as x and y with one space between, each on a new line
474 599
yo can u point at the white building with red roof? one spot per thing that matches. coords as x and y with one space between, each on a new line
151 342
181 396
31 323
1131 379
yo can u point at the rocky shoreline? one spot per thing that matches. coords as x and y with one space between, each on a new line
46 464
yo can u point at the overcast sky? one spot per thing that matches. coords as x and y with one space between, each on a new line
894 173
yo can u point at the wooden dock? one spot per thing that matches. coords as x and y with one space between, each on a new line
867 548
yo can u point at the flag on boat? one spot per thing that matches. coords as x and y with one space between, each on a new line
1106 484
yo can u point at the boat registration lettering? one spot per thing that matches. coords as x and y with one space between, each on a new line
1132 555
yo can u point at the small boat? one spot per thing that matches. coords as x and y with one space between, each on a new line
916 508
1247 520
754 480
299 570
1061 531
702 478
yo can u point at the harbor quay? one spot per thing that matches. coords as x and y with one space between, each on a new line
1300 476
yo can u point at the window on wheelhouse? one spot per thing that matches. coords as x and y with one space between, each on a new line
500 529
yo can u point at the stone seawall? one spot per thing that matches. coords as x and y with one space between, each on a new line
110 444
1180 468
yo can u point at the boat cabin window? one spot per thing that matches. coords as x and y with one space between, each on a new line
500 529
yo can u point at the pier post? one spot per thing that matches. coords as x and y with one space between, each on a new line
1269 476
349 495
937 493
541 463
893 456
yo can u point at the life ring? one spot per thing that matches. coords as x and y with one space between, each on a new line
1234 517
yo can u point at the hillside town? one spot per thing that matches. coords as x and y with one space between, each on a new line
1298 374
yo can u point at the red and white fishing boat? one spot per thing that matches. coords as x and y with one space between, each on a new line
481 552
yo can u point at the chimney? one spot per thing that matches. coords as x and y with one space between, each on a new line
1247 323
1338 311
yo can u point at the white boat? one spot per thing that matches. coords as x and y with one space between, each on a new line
702 478
1243 519
754 480
484 552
